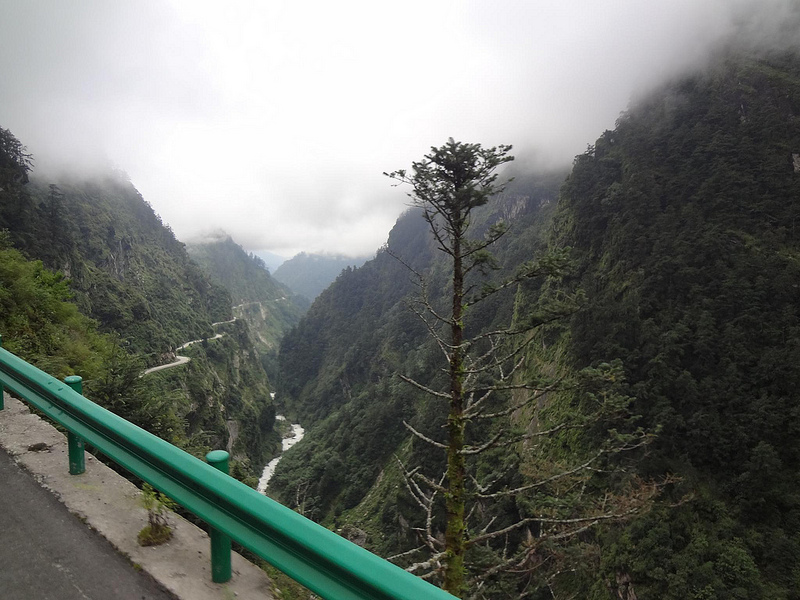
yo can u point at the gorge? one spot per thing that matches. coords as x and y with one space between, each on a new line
293 436
679 306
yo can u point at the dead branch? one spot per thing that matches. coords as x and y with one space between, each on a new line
538 393
434 563
424 388
406 553
426 502
425 438
594 519
543 482
443 345
472 450
587 465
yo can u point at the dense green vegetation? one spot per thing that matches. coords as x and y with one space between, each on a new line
339 371
308 274
126 268
92 283
681 224
244 275
268 306
38 321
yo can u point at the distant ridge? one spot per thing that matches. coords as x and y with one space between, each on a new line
309 274
269 307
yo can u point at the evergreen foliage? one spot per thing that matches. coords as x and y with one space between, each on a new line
447 185
40 324
682 224
244 275
683 220
126 269
120 265
338 371
269 307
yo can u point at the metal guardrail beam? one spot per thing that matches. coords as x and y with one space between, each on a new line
324 562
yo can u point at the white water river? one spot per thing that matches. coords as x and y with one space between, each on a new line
295 435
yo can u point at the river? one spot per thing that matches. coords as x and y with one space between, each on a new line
295 435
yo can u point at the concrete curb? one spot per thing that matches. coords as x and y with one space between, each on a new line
109 504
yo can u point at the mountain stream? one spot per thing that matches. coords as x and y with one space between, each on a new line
295 435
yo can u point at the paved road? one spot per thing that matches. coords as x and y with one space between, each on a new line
46 553
182 360
179 360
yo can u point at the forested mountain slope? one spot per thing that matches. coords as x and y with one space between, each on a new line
682 227
135 284
269 307
126 268
684 224
339 367
358 328
244 275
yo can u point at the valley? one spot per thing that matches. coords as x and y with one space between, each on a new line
604 355
294 436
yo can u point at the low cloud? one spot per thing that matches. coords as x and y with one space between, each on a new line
274 121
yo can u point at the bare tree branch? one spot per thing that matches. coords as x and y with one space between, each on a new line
425 438
475 413
577 469
593 520
471 450
406 553
424 388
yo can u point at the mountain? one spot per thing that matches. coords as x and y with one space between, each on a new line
244 275
339 370
125 266
681 225
39 323
309 274
90 244
268 306
682 221
271 260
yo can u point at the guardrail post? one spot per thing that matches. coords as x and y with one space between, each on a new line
2 391
220 542
77 464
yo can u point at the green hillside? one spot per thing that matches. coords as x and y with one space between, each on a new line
126 268
678 316
339 372
269 307
682 220
681 226
95 285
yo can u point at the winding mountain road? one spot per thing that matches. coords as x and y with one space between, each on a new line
182 360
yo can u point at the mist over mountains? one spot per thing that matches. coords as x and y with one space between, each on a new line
680 225
679 302
309 274
275 123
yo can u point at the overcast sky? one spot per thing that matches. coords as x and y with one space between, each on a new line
274 120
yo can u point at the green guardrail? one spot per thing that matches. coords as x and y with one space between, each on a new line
324 562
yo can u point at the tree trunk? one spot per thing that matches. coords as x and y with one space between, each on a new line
455 538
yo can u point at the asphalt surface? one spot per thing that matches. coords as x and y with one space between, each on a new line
47 553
